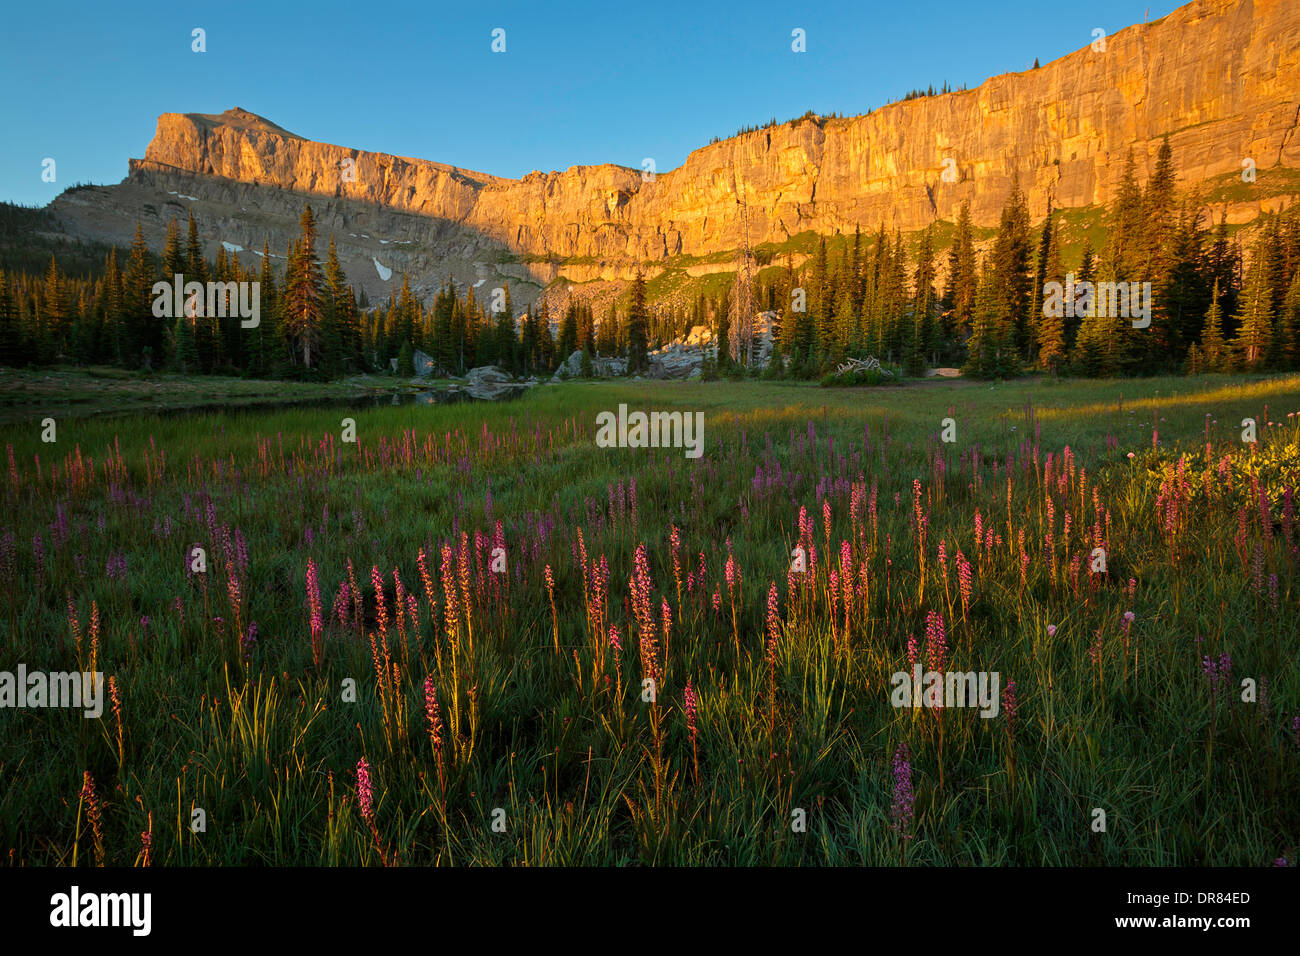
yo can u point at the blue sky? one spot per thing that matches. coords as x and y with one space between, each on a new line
84 82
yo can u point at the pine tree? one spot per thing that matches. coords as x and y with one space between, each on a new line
336 335
11 350
568 343
1223 266
142 333
506 342
406 361
186 356
1184 292
1012 268
111 342
1051 335
196 269
924 302
959 292
986 338
265 337
1255 316
173 263
722 332
1125 239
1287 334
304 307
55 318
1212 354
1037 290
637 359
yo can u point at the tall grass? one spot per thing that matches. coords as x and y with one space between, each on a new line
349 681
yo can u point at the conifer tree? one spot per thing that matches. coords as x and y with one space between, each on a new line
1212 354
985 342
1012 268
337 333
607 333
924 301
55 318
141 330
1287 333
959 292
506 342
173 263
304 306
406 361
187 356
111 344
1125 237
10 335
568 343
1255 316
196 267
637 359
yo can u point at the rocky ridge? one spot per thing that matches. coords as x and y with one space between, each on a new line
1221 78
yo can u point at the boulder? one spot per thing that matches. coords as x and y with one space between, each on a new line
601 367
491 383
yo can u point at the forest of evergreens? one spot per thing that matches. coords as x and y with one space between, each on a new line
1215 306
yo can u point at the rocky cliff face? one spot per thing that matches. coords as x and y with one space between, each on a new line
1221 78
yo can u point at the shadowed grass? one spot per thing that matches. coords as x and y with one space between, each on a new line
548 749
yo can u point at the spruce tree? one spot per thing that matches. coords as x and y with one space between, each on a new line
959 292
1012 268
1212 354
986 336
141 330
568 343
406 361
10 334
924 301
55 318
173 263
336 335
111 350
186 358
1288 327
637 359
304 305
1255 316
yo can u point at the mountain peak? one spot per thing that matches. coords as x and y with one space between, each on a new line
239 118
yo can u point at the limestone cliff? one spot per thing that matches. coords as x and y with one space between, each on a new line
1221 78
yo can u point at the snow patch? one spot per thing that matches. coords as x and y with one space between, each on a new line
385 273
231 247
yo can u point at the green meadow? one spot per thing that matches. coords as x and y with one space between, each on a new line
471 636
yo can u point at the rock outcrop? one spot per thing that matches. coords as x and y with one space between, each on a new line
1220 78
490 383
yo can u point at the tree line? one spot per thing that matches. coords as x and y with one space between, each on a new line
1214 306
